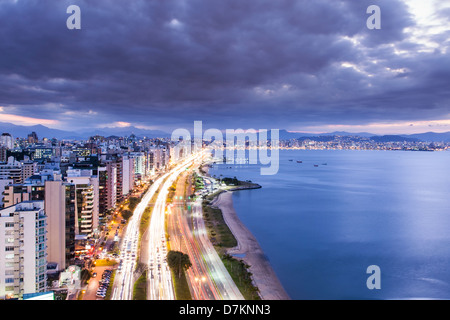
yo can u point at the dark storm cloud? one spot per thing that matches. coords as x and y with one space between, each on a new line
227 62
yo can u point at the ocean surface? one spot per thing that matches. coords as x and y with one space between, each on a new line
321 227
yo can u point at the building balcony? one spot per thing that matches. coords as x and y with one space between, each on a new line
86 225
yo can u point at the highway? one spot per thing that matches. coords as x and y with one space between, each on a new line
125 278
160 286
216 269
201 285
208 278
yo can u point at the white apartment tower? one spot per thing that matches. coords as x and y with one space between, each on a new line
6 140
23 249
127 174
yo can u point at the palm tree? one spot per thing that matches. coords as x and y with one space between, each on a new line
178 261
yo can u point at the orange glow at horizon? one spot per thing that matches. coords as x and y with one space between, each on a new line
406 127
22 120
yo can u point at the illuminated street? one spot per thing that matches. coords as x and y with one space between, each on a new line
125 278
160 286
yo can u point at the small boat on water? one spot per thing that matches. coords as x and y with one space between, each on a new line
316 165
299 161
291 160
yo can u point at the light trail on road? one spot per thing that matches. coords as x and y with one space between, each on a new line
216 269
208 278
124 279
160 286
201 283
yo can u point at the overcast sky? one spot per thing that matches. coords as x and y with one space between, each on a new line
300 65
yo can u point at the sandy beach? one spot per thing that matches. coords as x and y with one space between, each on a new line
263 275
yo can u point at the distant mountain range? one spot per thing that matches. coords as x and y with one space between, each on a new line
286 135
43 131
425 137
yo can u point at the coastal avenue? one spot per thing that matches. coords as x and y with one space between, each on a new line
216 269
208 277
201 285
160 286
125 278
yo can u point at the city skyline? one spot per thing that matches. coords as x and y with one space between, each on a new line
224 150
303 67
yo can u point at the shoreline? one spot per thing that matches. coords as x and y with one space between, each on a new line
263 276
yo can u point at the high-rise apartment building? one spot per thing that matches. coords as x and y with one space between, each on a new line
159 158
7 140
11 170
29 168
107 176
3 184
23 246
140 164
86 203
127 174
59 198
16 193
3 154
60 210
119 172
32 138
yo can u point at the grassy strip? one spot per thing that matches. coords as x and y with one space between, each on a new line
241 276
213 195
140 287
145 220
105 262
143 226
218 231
222 238
182 291
172 190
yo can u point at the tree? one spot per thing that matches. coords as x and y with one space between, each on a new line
178 261
134 201
126 214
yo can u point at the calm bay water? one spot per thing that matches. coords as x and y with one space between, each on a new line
321 227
